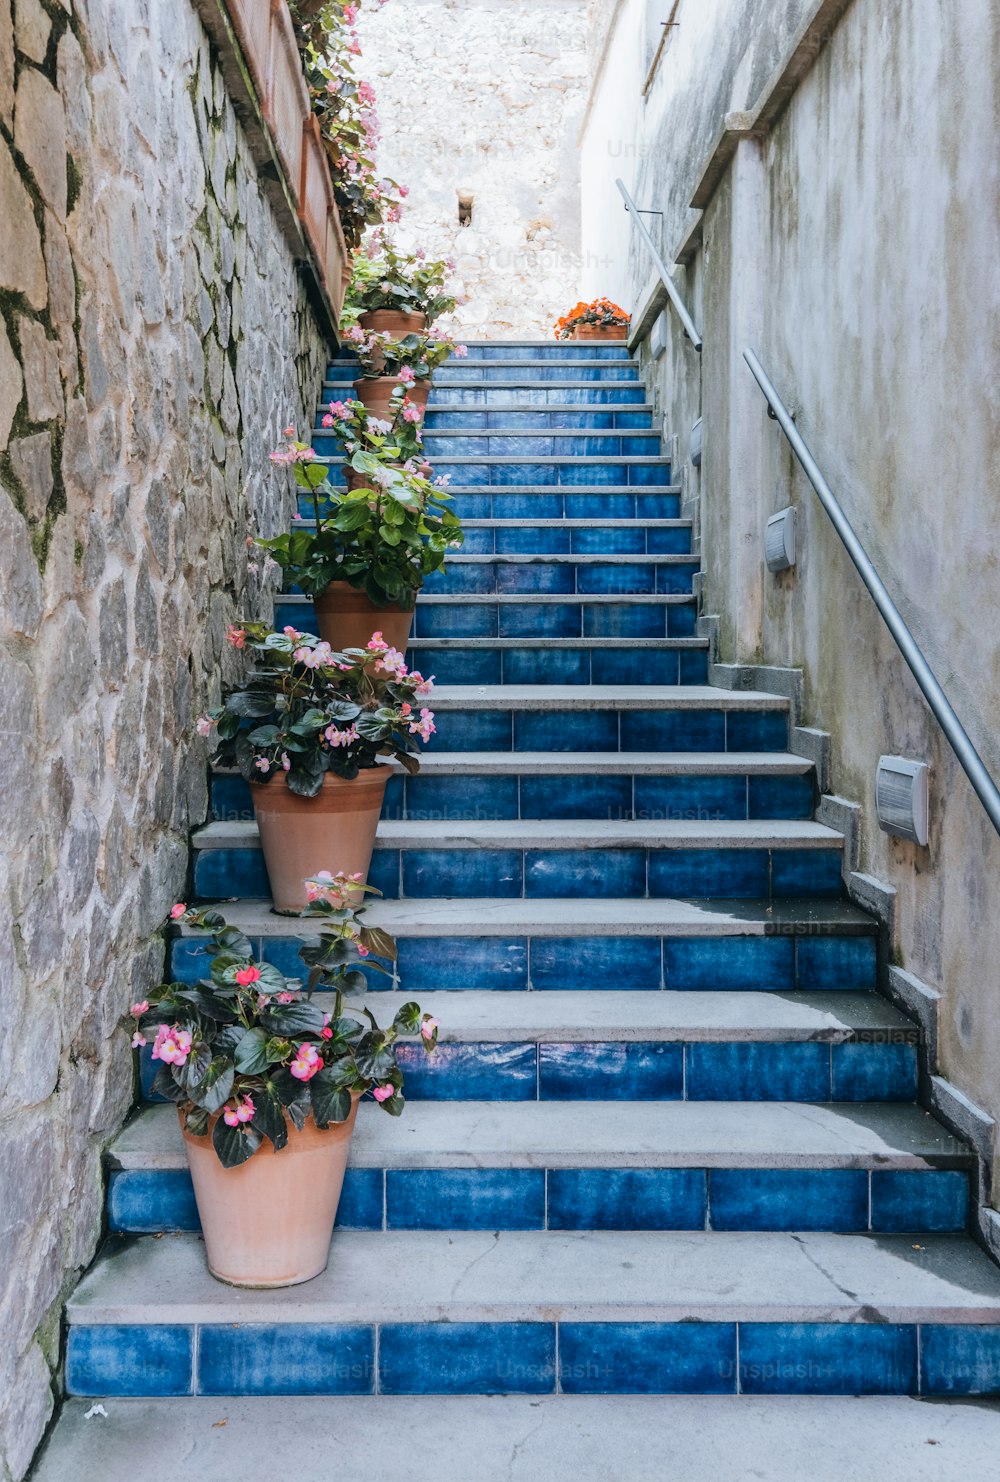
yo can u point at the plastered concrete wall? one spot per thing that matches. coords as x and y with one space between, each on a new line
487 96
854 245
153 342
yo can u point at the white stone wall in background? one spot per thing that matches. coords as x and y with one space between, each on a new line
487 96
154 339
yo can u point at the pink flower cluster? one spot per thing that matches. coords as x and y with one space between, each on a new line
333 889
172 1045
292 453
336 737
239 1111
307 1063
424 727
384 1093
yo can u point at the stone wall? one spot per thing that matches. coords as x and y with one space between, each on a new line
154 339
850 237
486 96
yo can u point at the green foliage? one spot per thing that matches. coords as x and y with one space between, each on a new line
385 278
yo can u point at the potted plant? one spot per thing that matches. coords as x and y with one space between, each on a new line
344 106
396 293
267 1078
388 364
319 721
599 320
372 545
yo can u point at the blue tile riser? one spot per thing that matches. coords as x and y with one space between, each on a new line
484 503
562 578
540 419
521 1358
511 874
629 1070
619 1198
778 961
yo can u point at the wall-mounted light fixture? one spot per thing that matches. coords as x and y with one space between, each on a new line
658 336
902 797
779 540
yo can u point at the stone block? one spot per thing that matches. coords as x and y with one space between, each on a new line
32 30
11 386
26 1406
72 75
20 583
31 461
22 267
145 615
113 631
6 65
40 358
40 135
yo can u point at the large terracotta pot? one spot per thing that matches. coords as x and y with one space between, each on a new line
347 618
333 831
269 1221
600 332
396 322
376 393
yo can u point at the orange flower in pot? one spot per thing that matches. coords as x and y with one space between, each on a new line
370 548
307 729
267 1074
599 320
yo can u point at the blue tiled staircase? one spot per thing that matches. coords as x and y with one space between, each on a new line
670 1142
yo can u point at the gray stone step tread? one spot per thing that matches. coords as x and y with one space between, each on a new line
619 1134
604 763
565 833
535 599
512 383
601 696
520 1438
604 917
591 1276
588 1016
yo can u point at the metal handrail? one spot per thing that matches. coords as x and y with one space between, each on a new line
686 321
958 738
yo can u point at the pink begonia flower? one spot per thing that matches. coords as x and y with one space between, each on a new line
289 430
383 1093
420 255
328 420
424 727
326 1031
262 764
450 264
236 636
379 426
404 191
286 764
354 334
238 1112
285 997
306 1063
392 662
171 1045
407 374
428 1027
296 516
363 951
442 481
405 709
138 1009
177 911
377 643
292 633
411 412
203 725
318 885
263 999
423 686
304 455
461 351
248 975
341 738
138 1040
393 214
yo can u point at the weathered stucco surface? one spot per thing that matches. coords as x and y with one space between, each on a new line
486 96
854 246
153 341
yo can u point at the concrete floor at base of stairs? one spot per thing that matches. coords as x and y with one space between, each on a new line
519 1439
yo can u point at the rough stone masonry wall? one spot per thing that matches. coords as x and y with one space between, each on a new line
487 96
153 341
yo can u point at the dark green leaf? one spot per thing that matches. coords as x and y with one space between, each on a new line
234 1145
291 1019
268 1115
251 1052
331 1102
215 1087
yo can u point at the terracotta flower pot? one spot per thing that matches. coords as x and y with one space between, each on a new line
397 322
600 332
347 618
376 393
269 1221
333 831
